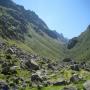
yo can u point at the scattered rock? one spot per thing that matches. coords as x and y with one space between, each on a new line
51 66
10 51
86 85
75 78
32 65
63 82
2 45
3 85
35 78
8 57
87 66
75 67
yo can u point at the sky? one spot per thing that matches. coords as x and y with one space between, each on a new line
70 17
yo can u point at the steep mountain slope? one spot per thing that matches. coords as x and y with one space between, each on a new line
81 46
16 23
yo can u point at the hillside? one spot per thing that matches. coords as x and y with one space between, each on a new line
81 49
16 23
33 57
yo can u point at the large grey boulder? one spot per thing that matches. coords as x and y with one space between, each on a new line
86 85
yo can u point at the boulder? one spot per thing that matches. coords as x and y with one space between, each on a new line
3 85
50 66
32 65
67 60
5 70
86 85
75 67
87 66
2 45
36 78
75 78
70 88
8 57
10 51
62 82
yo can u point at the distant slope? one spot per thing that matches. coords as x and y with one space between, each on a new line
18 24
81 50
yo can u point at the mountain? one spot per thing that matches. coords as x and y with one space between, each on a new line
79 47
24 26
33 57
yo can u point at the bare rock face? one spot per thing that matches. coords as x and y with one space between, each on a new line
86 85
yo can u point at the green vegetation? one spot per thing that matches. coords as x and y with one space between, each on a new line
81 51
31 55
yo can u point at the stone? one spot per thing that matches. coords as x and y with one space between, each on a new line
3 85
75 78
8 57
50 66
75 67
87 66
67 60
35 78
32 65
10 51
5 70
86 85
2 45
70 88
62 82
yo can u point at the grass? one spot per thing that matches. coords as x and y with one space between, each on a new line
44 45
81 51
48 88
